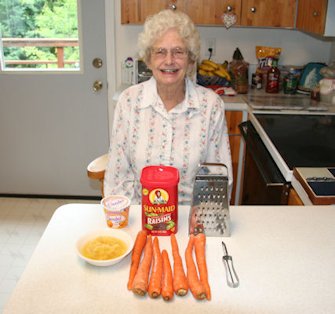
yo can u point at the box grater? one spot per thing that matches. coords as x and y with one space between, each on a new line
209 211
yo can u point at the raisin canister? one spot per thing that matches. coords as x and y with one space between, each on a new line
160 200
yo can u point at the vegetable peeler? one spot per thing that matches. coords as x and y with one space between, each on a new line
232 279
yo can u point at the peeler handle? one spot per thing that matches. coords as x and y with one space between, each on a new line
232 279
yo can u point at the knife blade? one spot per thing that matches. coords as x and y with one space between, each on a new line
231 275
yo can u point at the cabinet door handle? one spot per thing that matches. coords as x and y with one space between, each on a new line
173 7
316 13
229 8
253 10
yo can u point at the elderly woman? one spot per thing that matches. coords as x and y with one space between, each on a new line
167 120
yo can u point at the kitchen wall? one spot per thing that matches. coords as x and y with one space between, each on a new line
297 48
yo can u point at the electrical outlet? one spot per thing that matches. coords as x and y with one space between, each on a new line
210 44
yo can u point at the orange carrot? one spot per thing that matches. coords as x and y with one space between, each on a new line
200 254
180 284
140 283
195 285
155 283
140 241
167 279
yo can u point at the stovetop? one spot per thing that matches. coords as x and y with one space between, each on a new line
297 140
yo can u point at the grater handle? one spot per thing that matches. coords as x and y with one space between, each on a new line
231 276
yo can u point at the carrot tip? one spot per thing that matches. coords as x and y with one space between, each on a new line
154 295
201 296
139 292
181 292
167 298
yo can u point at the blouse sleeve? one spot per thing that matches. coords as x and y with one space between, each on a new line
119 178
218 144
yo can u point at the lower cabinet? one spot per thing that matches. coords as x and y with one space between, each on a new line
293 198
234 118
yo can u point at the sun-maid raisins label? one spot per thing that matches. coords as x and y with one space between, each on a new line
160 200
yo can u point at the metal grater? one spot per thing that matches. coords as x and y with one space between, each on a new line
209 209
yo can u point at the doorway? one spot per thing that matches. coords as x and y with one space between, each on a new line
53 123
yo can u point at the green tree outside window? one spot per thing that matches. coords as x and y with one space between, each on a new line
48 19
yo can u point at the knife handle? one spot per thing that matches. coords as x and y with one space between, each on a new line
232 279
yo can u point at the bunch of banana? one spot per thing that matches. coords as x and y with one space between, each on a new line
211 68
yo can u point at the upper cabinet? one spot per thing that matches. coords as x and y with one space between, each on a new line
310 16
136 11
265 13
211 12
316 17
258 13
200 11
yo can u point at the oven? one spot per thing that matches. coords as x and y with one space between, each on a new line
278 142
263 183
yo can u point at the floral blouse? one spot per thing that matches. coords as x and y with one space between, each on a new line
145 133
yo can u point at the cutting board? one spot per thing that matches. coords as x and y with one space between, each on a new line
319 184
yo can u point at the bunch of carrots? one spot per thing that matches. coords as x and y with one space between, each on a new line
153 273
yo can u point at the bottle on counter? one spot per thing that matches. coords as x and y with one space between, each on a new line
239 69
273 77
290 82
256 81
327 84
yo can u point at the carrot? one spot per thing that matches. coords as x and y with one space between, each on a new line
195 285
140 241
180 284
140 283
200 254
155 283
167 279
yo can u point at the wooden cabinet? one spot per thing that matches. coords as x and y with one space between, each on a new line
136 11
311 16
258 13
234 118
264 13
210 12
200 11
293 198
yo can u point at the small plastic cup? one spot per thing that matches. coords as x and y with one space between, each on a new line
116 208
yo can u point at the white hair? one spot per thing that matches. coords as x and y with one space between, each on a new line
156 25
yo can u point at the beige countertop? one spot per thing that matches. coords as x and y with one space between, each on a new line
284 257
260 101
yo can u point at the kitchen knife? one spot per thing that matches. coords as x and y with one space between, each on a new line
232 278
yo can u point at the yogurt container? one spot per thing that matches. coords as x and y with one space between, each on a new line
116 208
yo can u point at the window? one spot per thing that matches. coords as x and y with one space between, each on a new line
39 34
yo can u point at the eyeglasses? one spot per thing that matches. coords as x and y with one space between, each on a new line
161 53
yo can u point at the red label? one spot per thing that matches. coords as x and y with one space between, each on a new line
160 210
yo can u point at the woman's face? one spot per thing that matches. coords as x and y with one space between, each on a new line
169 59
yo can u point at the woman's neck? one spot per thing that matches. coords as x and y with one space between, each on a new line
171 95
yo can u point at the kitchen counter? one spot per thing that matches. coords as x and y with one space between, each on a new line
235 103
284 257
259 100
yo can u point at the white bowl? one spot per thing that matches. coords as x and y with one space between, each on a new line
122 235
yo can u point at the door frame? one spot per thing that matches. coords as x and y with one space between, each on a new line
110 17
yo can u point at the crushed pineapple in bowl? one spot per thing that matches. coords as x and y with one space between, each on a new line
104 247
